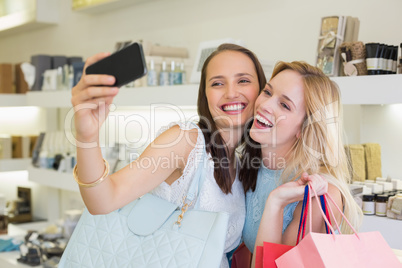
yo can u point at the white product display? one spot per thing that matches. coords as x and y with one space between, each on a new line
396 184
367 190
375 187
386 185
379 179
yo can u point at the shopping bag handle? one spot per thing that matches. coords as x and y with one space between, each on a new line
303 215
329 208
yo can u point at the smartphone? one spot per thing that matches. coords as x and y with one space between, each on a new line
126 65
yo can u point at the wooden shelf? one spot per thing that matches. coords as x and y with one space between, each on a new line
15 164
52 178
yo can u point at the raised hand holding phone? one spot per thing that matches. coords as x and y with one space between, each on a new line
94 93
126 65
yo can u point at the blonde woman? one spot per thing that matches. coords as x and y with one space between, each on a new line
296 128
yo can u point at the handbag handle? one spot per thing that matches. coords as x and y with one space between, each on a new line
196 183
198 179
329 208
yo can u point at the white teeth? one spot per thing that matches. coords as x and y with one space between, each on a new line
235 107
263 120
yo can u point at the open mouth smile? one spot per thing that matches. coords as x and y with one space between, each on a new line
233 108
262 122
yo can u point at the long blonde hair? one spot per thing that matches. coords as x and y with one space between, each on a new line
320 147
319 150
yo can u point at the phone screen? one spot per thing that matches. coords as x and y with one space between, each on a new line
126 65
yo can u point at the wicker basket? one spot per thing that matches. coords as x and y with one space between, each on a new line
357 51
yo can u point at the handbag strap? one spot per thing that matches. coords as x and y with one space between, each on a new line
198 179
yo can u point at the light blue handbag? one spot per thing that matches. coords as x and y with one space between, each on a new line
150 232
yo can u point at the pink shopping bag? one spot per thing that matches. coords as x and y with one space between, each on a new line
342 250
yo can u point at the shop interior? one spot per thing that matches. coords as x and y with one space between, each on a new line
273 30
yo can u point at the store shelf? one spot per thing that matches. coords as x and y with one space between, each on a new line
93 7
370 89
36 14
49 99
390 229
14 164
7 100
381 89
51 178
183 95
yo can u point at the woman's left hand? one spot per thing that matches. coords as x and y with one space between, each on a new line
294 191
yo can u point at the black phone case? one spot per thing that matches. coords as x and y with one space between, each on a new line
126 65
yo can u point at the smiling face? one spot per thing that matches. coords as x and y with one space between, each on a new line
231 88
280 111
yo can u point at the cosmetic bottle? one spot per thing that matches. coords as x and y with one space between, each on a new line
177 78
43 158
70 77
368 204
151 76
50 158
381 60
163 75
51 150
388 61
172 73
43 152
391 60
381 205
399 68
183 74
372 59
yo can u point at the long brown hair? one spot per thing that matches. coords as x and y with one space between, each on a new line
217 146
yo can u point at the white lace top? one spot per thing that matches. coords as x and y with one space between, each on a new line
211 196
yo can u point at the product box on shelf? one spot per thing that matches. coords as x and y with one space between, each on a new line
21 86
5 146
332 33
21 146
6 78
41 63
58 61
